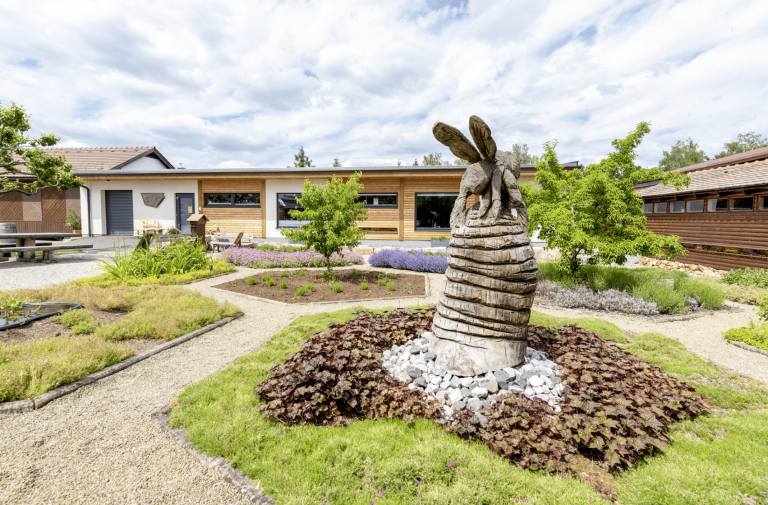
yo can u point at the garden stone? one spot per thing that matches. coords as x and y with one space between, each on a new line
435 379
482 418
421 382
466 381
516 389
412 386
405 377
386 354
487 404
547 372
480 392
543 397
441 396
529 392
503 385
445 385
474 404
511 372
459 405
466 392
474 385
548 383
455 395
422 367
448 377
539 389
535 381
526 367
440 371
430 388
491 386
455 382
448 410
414 372
492 398
502 392
500 376
430 356
550 364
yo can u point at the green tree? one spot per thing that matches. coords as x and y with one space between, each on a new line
301 159
332 211
432 159
415 162
336 162
682 154
521 151
597 213
744 142
460 162
398 163
19 150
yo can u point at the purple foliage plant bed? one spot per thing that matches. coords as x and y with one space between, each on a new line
254 258
415 260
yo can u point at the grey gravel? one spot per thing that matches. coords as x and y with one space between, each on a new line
68 267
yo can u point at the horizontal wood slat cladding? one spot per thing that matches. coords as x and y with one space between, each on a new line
748 230
54 204
233 219
723 261
41 227
425 185
10 207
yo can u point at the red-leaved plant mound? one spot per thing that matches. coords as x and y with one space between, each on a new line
616 408
336 379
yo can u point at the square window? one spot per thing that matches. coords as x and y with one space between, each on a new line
695 206
742 203
762 203
286 202
647 208
718 205
660 208
677 207
433 210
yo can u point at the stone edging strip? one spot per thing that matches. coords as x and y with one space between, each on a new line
747 347
22 406
251 491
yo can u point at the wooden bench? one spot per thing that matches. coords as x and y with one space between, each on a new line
149 225
222 240
5 255
48 251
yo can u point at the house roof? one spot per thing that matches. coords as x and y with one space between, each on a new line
84 159
304 170
727 177
728 160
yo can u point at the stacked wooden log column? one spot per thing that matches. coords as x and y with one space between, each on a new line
483 310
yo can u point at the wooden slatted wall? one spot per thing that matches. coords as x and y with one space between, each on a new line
382 218
10 207
426 185
739 230
234 219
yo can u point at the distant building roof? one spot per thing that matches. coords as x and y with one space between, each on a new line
728 160
100 158
730 173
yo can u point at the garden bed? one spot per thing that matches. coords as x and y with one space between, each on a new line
308 286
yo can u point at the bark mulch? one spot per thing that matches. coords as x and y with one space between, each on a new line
322 291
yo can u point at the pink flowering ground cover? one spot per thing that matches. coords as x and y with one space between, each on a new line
255 258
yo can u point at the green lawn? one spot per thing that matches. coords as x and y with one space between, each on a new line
397 463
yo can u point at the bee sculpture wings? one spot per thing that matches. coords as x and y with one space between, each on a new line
492 173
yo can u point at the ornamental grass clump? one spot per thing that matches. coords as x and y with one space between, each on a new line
301 291
390 286
179 256
336 379
337 288
415 260
283 285
616 408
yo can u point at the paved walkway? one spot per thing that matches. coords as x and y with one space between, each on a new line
99 445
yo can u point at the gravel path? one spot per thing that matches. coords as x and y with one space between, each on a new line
99 445
70 266
702 336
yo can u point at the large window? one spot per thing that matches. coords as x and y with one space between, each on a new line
695 206
647 208
433 210
719 205
386 200
286 202
660 208
745 203
232 200
677 207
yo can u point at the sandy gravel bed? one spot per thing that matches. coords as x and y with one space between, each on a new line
99 445
68 267
702 336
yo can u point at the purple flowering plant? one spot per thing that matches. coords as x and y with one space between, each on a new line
255 258
415 260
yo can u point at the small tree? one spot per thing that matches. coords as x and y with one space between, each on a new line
682 154
301 159
333 211
521 151
72 220
433 159
19 150
415 162
336 162
597 212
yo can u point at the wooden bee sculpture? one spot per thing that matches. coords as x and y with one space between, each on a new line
482 315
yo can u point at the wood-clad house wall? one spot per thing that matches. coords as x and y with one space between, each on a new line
724 239
233 219
43 212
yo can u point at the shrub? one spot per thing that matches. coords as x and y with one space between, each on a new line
250 280
390 286
393 276
415 260
302 273
270 281
613 300
335 378
755 335
301 291
283 285
337 287
665 297
174 231
283 274
708 294
364 286
255 258
264 277
310 287
382 282
757 277
176 257
72 220
616 408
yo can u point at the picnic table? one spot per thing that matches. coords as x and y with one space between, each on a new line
27 245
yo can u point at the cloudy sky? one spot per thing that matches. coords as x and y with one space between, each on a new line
246 83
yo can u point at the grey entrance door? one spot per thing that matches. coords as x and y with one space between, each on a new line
185 207
119 206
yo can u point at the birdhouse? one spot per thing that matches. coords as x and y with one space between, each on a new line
197 222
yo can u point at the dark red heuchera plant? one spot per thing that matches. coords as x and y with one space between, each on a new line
616 407
336 378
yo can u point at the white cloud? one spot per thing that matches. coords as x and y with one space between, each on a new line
251 82
234 164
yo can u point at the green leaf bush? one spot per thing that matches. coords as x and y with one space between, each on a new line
757 277
179 256
755 335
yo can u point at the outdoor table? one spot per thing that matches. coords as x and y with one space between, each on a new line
28 239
